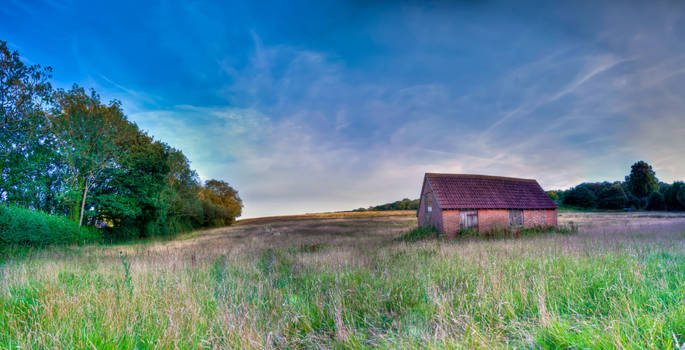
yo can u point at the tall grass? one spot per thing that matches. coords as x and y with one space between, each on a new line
544 291
19 226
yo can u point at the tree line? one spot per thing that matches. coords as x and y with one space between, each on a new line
404 204
641 190
68 153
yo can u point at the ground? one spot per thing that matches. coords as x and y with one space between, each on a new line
342 280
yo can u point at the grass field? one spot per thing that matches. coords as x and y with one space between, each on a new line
342 280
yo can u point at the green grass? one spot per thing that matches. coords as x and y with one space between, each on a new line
551 291
419 233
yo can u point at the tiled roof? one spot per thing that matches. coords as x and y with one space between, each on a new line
463 191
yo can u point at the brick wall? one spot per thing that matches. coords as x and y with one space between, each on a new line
450 222
532 218
489 219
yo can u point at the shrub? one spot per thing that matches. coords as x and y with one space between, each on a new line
19 226
656 201
419 233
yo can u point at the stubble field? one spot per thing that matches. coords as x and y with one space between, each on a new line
343 281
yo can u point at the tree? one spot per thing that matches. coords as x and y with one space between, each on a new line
23 92
656 201
671 196
227 204
681 196
553 195
86 132
612 197
642 180
580 196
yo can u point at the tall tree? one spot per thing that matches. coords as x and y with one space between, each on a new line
86 133
23 92
642 180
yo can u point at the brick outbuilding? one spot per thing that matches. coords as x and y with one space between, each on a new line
451 202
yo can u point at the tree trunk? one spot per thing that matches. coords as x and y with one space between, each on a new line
83 204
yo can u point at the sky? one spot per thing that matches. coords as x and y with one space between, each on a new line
322 106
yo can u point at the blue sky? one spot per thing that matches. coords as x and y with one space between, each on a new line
308 107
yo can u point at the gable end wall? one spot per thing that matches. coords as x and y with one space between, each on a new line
435 219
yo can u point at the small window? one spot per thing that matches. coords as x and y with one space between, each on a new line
516 218
468 219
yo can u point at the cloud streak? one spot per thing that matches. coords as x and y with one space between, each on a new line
349 106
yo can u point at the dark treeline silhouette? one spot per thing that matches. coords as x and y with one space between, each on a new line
69 154
640 190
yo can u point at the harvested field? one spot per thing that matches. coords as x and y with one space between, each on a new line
342 280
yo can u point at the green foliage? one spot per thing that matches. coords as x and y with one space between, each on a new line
580 196
553 195
22 91
671 196
220 202
656 201
642 180
65 152
19 226
612 197
419 233
517 232
404 204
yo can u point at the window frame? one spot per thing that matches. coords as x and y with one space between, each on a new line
512 218
466 219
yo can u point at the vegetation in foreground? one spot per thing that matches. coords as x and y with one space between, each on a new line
20 226
333 283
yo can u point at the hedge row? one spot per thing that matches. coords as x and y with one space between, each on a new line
19 226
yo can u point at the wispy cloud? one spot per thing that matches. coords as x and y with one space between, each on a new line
341 106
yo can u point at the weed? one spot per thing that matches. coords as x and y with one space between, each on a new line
419 233
127 272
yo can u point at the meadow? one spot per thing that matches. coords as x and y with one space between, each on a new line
344 280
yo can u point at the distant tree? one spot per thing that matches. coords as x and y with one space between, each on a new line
671 196
553 195
580 196
633 202
612 197
663 187
86 133
404 204
642 180
681 196
656 201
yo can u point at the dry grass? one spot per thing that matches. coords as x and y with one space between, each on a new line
341 280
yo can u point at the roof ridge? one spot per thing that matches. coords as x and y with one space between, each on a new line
493 177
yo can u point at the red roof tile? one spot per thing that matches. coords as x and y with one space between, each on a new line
463 191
